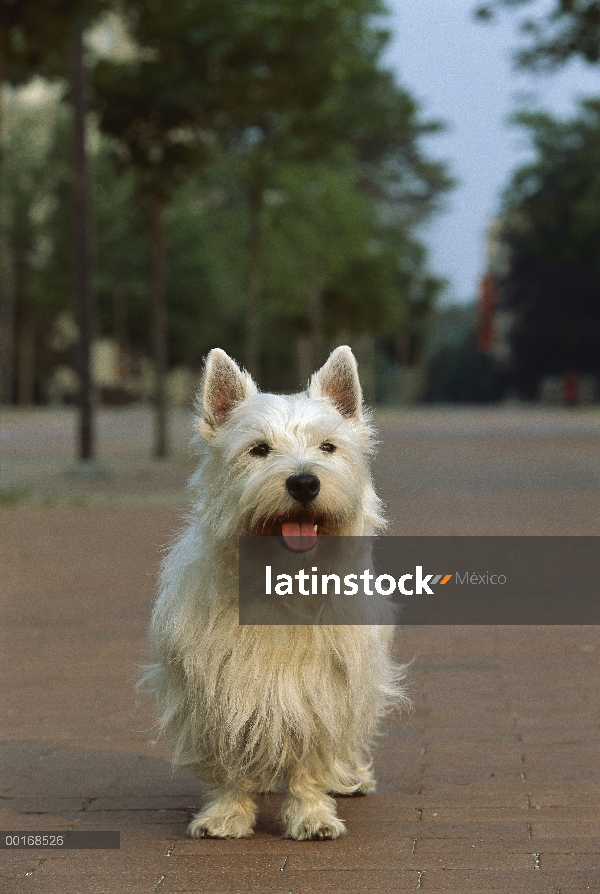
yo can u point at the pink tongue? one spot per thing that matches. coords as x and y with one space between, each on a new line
299 536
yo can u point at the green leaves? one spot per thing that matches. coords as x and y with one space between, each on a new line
36 35
321 145
563 30
551 230
289 159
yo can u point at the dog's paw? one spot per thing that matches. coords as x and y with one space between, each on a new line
315 828
214 826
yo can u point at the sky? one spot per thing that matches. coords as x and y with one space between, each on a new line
462 73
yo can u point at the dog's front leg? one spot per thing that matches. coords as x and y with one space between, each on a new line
308 811
229 812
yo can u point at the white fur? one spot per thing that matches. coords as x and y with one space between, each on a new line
254 707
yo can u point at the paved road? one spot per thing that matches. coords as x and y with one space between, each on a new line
481 472
491 785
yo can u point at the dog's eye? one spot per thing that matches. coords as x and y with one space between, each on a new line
327 447
261 449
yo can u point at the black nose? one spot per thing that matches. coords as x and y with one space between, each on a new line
303 488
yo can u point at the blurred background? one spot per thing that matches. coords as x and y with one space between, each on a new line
277 177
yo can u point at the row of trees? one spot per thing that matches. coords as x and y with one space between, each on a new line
550 213
257 179
551 231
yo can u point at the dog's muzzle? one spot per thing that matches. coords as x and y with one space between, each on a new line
303 488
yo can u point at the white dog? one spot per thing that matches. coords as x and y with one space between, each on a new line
256 707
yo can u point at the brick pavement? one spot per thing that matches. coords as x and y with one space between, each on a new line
491 785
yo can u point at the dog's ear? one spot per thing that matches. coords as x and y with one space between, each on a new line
338 381
223 387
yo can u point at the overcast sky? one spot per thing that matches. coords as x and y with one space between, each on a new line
461 71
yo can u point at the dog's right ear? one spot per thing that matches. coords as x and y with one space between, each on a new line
223 387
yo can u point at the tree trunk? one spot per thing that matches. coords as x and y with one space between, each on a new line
7 280
159 327
7 311
254 286
310 344
81 200
120 329
303 357
26 360
120 312
317 323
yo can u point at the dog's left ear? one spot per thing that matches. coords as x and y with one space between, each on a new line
224 386
338 381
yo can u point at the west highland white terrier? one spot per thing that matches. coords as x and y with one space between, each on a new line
255 708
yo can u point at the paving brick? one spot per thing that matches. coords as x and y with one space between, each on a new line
578 862
306 880
510 882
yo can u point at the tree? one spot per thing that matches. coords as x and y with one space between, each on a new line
314 222
365 132
551 231
155 129
384 125
37 182
206 277
290 121
335 267
45 37
121 253
562 31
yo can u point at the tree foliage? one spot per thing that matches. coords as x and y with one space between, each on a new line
36 35
551 229
245 70
563 30
294 97
285 158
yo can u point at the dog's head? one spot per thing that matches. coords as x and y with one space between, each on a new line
296 466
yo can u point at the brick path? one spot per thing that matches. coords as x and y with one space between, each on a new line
491 785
